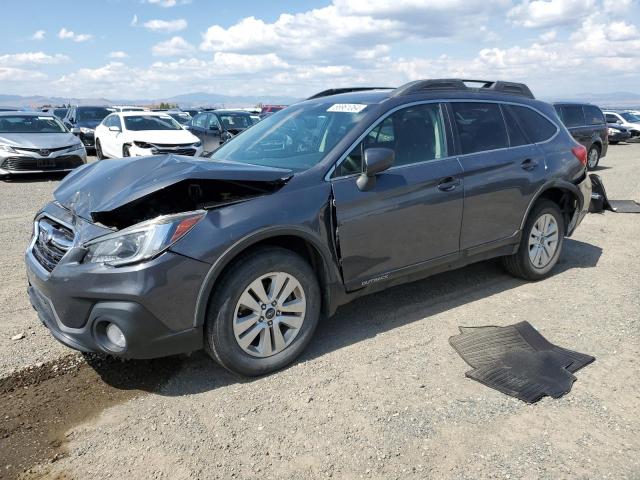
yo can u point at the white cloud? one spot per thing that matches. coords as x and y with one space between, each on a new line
549 13
176 46
168 3
118 54
235 63
616 6
32 58
548 36
134 21
65 34
38 35
166 26
9 74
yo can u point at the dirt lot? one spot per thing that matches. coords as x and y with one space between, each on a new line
379 393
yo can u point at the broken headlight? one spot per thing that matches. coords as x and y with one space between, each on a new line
142 241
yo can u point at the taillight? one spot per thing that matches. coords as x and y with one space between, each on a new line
580 153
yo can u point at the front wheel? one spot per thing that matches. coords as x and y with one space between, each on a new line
593 157
263 312
540 245
99 153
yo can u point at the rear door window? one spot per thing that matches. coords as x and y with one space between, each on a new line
536 127
593 115
573 116
480 127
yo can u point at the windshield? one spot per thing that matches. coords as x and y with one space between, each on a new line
296 138
30 124
150 122
93 113
630 117
235 121
182 118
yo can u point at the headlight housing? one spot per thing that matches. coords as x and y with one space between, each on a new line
612 131
7 148
86 130
143 241
197 144
142 144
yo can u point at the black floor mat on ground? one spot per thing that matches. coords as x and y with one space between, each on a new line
625 206
518 361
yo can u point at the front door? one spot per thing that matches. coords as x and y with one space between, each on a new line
412 217
212 133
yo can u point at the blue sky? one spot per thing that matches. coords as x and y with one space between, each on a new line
159 48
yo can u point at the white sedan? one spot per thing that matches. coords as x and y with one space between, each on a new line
137 134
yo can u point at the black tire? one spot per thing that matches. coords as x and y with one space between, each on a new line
592 164
519 264
220 341
125 151
99 153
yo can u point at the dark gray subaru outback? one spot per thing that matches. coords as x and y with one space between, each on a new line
349 192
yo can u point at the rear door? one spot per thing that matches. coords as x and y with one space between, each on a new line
502 172
412 217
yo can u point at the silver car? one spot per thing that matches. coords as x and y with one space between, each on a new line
32 142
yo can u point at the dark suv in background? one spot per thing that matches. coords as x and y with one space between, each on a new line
336 197
83 120
215 127
587 125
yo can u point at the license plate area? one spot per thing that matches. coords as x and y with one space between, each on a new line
45 163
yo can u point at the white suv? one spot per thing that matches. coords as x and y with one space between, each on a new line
136 134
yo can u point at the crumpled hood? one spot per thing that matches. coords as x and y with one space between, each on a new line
38 140
108 184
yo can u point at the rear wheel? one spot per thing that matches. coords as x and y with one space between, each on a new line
593 157
99 153
540 245
263 312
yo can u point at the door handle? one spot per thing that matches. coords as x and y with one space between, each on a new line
529 164
448 184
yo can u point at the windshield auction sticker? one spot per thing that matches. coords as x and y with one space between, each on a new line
346 107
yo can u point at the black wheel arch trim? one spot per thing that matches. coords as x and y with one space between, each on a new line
331 278
559 184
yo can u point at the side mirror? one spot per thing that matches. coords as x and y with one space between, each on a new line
376 160
114 129
75 130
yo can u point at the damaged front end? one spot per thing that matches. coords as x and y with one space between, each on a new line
120 194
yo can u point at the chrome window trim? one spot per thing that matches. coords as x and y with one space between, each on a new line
342 157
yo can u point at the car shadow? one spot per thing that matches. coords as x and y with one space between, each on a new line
600 167
34 177
197 373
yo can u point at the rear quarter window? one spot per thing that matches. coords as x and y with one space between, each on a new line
593 115
536 127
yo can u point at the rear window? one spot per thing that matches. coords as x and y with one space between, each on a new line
573 116
536 127
593 115
480 127
516 135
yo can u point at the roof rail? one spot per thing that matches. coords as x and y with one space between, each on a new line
336 91
493 86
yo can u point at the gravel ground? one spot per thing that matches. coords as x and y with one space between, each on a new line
378 394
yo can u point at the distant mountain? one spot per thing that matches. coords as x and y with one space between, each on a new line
613 99
198 99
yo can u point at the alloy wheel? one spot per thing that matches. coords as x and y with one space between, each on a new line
543 240
269 314
593 158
